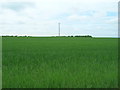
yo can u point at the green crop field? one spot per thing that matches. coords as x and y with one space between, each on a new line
59 62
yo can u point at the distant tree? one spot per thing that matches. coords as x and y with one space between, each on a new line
84 36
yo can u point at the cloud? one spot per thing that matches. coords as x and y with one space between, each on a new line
78 18
91 1
41 17
16 6
112 21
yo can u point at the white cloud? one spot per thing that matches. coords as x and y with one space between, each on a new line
40 17
60 0
112 21
77 17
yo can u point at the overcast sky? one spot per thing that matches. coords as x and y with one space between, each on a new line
77 17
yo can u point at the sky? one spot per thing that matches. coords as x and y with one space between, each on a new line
98 18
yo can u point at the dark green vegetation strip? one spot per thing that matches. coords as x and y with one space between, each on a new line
59 62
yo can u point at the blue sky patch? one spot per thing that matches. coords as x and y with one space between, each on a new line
112 13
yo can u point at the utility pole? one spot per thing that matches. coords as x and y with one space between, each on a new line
59 29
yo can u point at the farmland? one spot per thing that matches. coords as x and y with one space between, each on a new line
59 62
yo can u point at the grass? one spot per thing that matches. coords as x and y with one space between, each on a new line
59 62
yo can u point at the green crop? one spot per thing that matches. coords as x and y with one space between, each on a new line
59 62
